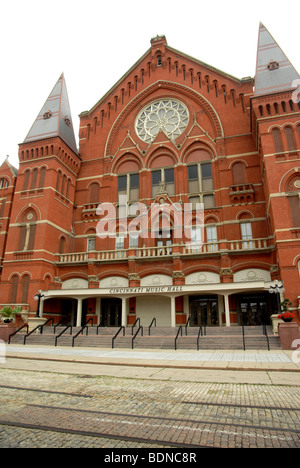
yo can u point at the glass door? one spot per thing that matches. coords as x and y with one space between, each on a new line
204 311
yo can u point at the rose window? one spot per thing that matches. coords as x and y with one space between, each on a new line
168 115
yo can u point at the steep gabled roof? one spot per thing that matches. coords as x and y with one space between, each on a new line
274 71
54 119
160 41
6 164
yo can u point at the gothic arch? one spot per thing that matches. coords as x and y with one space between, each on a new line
170 87
31 207
198 147
128 157
288 176
161 154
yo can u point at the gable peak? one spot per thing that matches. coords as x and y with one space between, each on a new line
158 41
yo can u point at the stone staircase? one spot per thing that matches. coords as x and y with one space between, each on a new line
212 338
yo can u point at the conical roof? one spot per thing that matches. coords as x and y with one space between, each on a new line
274 71
54 119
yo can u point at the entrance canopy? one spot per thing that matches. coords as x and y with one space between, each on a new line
141 293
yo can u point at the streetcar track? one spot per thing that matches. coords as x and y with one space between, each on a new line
37 390
123 424
175 420
103 435
231 405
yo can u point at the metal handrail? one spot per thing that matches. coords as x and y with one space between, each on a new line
138 320
265 332
142 334
57 325
62 332
46 323
151 324
89 320
243 334
116 335
80 331
179 331
187 324
30 333
200 333
17 331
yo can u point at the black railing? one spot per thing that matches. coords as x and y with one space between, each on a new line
17 331
153 323
34 330
138 321
46 323
177 336
187 325
200 333
90 320
243 335
57 325
136 334
62 332
85 327
265 332
116 335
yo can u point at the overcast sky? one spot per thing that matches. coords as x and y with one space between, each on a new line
94 42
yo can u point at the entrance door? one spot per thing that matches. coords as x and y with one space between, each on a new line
204 311
254 310
111 312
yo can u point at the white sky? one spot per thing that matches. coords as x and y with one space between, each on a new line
94 42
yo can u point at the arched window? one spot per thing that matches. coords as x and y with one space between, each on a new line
25 289
62 245
27 231
34 178
94 190
277 140
239 173
42 177
26 179
293 190
14 289
59 175
290 138
3 183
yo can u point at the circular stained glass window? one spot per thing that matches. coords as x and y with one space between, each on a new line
167 115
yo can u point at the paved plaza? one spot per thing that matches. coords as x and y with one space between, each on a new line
148 399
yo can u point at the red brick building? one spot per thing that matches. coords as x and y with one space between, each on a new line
172 130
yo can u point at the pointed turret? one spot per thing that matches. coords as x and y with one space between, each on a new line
274 71
54 118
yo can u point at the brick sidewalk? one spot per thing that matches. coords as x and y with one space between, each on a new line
59 410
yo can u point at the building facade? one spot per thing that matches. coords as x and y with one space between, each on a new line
201 172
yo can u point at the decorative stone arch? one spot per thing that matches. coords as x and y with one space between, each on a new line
169 86
211 219
244 215
288 177
196 152
27 209
195 269
156 280
73 275
161 157
156 271
127 162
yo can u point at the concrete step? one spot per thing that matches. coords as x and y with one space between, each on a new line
160 338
